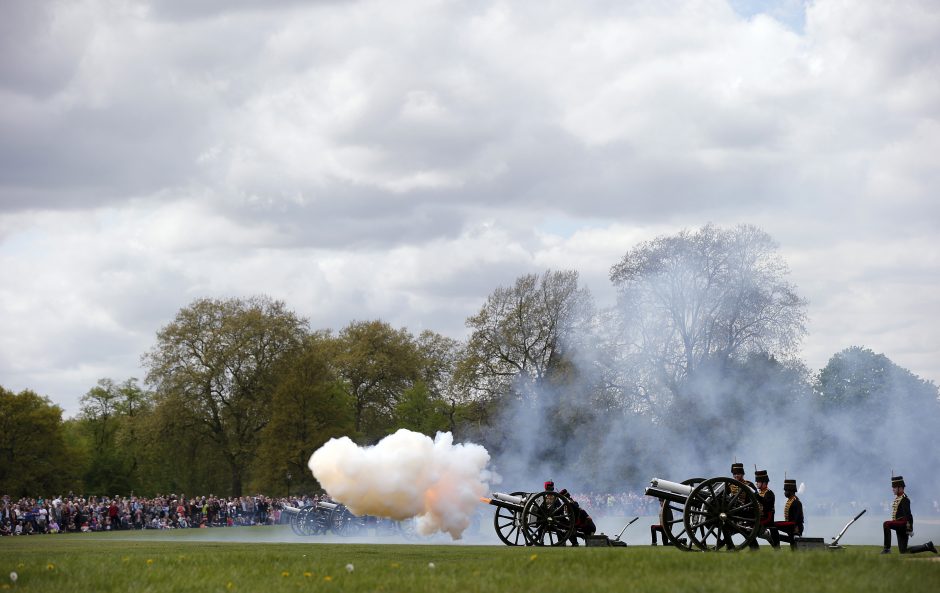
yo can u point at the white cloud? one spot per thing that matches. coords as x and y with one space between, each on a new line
401 160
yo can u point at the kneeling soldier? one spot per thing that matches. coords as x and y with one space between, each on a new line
902 522
791 527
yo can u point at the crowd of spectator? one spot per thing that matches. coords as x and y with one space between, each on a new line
71 514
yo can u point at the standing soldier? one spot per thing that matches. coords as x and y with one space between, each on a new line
902 522
792 524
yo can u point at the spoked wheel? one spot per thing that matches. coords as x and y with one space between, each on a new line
318 520
307 521
672 518
343 522
722 514
296 521
547 520
508 524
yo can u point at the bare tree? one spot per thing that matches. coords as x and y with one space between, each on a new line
711 295
520 335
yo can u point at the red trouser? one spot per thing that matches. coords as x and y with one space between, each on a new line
900 527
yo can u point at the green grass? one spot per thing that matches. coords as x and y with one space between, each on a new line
86 563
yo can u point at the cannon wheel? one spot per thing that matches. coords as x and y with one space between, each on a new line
296 521
343 522
547 524
672 518
722 514
317 520
508 524
306 521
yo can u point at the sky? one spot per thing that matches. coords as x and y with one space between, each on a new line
401 160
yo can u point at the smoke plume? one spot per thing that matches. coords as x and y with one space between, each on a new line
405 475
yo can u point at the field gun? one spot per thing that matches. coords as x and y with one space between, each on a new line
533 519
707 515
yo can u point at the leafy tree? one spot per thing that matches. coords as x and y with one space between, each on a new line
376 364
420 410
877 415
213 372
701 297
34 455
110 414
309 407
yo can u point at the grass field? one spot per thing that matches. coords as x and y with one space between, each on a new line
88 563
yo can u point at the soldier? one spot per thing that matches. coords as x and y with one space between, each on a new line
767 503
902 522
792 524
737 472
583 524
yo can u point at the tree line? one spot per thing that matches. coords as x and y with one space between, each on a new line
698 357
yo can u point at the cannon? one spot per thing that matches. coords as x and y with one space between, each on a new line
312 519
534 519
714 514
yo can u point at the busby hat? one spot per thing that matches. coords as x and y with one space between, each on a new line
550 485
737 468
760 475
789 485
897 481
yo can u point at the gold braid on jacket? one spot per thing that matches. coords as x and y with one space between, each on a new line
786 508
894 507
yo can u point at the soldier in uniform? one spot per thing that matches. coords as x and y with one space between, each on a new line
792 525
737 472
902 522
767 501
583 524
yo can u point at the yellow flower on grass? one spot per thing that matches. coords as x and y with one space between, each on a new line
285 574
50 566
149 561
327 578
230 585
533 557
126 559
308 574
395 565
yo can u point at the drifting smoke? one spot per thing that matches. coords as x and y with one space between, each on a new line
406 475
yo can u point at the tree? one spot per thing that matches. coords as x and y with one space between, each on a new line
110 414
213 371
309 407
376 364
521 332
878 416
710 296
34 455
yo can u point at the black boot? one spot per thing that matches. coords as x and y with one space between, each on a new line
928 547
886 550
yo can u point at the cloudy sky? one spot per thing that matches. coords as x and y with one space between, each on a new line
400 160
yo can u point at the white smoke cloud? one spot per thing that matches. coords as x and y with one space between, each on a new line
405 475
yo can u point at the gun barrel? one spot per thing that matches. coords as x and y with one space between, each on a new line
514 500
674 487
327 505
289 510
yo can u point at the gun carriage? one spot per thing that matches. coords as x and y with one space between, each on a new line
534 519
707 515
331 517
